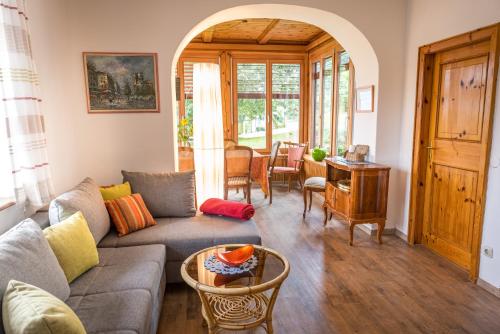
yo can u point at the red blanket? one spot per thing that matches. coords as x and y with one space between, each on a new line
216 206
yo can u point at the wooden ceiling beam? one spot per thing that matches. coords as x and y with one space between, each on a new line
266 34
318 40
208 35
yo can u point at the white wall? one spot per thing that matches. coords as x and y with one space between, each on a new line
101 145
429 21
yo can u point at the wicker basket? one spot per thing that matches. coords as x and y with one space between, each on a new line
359 154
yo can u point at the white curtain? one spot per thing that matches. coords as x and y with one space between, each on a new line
24 165
208 134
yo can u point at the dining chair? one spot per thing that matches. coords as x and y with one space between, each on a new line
237 170
275 150
294 162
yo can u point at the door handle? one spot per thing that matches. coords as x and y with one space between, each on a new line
429 150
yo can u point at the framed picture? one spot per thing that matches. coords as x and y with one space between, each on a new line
121 82
364 99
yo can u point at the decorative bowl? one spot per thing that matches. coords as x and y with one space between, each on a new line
235 257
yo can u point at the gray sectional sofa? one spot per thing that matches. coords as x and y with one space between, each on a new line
124 293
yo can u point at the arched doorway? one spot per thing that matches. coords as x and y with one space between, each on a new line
359 48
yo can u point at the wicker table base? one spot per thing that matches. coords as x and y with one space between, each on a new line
237 312
233 305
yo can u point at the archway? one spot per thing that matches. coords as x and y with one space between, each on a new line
357 45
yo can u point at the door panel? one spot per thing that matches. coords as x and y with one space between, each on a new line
455 152
461 101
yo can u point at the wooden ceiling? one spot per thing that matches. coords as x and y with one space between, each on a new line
260 31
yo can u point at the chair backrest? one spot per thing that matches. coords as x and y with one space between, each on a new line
274 154
229 143
238 161
296 153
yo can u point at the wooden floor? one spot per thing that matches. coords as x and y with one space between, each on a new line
334 288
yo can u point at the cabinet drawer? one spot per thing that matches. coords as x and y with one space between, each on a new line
329 194
342 201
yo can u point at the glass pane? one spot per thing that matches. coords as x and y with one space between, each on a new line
285 102
343 104
316 85
327 102
251 83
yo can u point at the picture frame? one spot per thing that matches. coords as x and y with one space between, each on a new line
121 82
365 99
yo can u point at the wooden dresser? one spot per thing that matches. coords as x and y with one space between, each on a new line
357 192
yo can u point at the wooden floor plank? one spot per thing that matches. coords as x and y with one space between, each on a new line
335 288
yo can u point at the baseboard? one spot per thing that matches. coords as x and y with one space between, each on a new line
489 287
401 235
367 230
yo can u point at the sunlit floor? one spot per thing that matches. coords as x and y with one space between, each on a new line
335 288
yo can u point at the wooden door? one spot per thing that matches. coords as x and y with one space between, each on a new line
456 154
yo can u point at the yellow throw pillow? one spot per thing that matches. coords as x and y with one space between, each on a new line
73 245
116 191
30 310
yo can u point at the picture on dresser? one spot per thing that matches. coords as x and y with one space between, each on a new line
121 82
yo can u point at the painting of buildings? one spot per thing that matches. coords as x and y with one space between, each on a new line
125 82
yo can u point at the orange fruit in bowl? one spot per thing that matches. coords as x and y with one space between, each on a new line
235 257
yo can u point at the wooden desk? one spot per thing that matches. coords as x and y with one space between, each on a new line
365 202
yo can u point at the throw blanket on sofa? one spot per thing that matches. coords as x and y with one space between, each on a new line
216 206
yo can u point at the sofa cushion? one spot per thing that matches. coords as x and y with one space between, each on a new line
25 255
123 268
127 311
31 310
128 284
165 194
129 214
85 197
184 236
115 191
73 245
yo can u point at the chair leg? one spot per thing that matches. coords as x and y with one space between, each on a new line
249 198
237 190
300 181
305 203
270 191
310 199
225 193
289 183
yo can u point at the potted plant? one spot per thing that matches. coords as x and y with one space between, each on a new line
318 154
184 132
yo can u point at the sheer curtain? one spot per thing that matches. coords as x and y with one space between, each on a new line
208 134
24 166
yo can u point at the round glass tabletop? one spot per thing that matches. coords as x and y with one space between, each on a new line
270 267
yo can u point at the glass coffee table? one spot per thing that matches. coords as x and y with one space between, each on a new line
239 301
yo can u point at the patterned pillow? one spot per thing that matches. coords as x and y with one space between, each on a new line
129 214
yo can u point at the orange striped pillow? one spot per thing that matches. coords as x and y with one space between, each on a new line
129 214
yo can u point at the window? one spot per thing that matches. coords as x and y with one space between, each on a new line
331 99
286 102
322 93
188 91
251 101
343 105
267 102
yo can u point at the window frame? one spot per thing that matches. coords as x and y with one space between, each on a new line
269 60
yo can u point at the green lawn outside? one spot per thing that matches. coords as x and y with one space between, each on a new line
260 142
